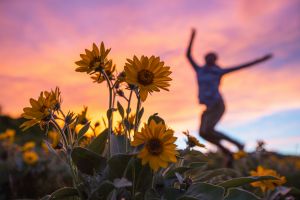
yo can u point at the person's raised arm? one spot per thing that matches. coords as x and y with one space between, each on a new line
189 50
249 64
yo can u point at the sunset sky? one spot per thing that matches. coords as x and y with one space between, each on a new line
41 40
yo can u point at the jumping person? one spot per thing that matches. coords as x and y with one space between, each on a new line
209 77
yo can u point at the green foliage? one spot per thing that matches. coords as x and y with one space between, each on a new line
203 191
236 182
87 161
99 143
64 194
239 194
83 130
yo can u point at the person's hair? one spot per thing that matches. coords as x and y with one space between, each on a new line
211 58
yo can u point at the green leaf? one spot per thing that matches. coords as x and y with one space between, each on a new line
172 193
122 182
103 191
209 174
236 182
47 197
142 175
156 118
98 144
151 194
295 191
63 193
117 164
188 198
83 130
203 191
118 143
120 109
87 161
110 112
238 194
180 170
197 164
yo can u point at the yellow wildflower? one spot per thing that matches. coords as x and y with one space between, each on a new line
30 157
41 109
267 184
119 130
159 148
28 146
45 147
239 154
8 135
192 141
82 117
3 136
85 141
54 138
94 60
149 74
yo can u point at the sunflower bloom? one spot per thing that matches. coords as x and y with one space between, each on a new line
94 60
30 157
28 146
267 184
41 109
159 148
149 74
240 154
192 141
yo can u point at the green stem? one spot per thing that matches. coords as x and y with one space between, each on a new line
153 180
69 159
61 132
127 132
138 107
74 175
109 118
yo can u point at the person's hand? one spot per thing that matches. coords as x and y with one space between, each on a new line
267 57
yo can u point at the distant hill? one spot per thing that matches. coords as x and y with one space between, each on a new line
34 133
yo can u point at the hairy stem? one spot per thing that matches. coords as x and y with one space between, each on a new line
109 118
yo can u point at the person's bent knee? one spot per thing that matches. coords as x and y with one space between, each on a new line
204 132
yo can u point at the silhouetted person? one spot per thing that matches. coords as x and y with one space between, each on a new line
209 77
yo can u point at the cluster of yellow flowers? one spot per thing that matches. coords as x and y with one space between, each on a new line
119 128
267 184
30 157
141 76
8 135
239 155
146 74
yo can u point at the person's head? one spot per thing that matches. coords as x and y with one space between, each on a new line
211 58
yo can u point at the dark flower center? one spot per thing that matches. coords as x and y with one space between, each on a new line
93 63
145 77
154 146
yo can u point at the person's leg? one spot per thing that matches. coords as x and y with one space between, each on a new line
208 121
219 111
222 136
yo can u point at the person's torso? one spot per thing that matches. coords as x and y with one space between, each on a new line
208 82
